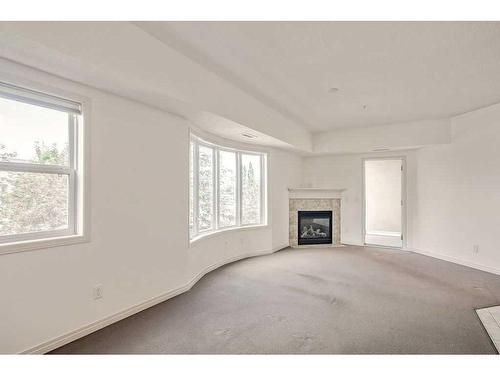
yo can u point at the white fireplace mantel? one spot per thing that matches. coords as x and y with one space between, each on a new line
314 193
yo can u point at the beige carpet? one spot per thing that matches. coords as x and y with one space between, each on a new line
321 300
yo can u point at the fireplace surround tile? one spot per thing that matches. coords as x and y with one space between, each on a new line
308 204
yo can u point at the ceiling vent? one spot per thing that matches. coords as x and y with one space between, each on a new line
248 135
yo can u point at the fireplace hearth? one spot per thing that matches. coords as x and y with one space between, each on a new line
314 227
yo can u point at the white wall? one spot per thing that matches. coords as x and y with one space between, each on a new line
394 136
459 192
138 245
345 172
286 172
453 191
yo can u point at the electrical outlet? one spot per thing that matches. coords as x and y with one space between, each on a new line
475 249
97 292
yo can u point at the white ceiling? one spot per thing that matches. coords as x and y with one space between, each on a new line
401 71
123 59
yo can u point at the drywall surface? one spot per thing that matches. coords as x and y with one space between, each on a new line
345 172
452 198
394 136
286 171
459 192
139 247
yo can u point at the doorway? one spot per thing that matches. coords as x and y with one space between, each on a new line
383 193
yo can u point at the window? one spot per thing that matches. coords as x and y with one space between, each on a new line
226 188
250 189
38 165
206 189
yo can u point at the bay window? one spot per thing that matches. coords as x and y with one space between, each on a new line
226 188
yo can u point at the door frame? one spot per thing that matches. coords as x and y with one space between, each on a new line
403 199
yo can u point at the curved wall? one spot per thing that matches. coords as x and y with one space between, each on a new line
215 249
138 249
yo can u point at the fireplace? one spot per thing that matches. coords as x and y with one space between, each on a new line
314 227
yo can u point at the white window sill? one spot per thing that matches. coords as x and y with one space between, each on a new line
193 242
383 233
42 243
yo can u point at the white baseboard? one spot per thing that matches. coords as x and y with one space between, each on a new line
446 258
92 327
460 261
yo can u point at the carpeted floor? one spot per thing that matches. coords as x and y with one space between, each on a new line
315 300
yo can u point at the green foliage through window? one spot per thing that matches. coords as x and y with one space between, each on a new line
34 202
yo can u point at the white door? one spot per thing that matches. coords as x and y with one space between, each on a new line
383 202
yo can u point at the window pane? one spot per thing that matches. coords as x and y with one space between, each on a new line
205 187
33 134
32 202
227 188
250 189
191 189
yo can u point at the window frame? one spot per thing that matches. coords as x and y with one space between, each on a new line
214 187
263 189
236 213
76 170
196 234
